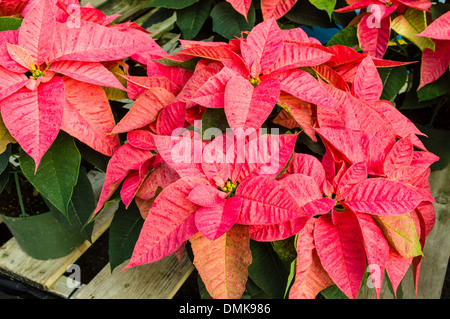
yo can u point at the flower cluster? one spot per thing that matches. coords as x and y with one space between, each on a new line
366 200
210 156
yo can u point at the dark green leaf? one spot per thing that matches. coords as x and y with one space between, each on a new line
229 23
344 18
214 121
436 143
123 234
391 288
93 157
333 292
160 15
285 250
346 36
267 270
80 208
304 13
252 291
188 65
438 9
326 5
393 80
204 294
9 23
435 89
4 158
191 19
57 173
172 4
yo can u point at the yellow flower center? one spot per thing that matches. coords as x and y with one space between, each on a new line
229 187
254 81
37 73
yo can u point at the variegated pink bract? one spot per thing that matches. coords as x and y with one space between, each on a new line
271 9
436 62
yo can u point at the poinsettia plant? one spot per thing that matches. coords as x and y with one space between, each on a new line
363 201
283 164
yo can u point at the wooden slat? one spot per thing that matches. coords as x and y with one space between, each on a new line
62 289
159 280
436 251
44 273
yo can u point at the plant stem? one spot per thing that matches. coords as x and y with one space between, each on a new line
19 194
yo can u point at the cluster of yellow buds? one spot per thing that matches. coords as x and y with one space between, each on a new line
229 187
254 81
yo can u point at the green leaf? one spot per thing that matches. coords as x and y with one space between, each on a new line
391 289
437 143
291 277
327 5
188 65
393 80
438 9
124 233
229 23
267 270
191 19
286 250
57 173
435 89
333 292
4 158
304 13
172 4
409 24
10 23
213 119
80 208
347 36
98 160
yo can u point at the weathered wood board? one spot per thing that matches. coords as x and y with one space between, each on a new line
159 280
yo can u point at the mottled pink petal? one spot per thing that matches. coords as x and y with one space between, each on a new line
207 196
10 82
90 72
213 222
90 125
37 32
41 117
246 106
341 251
169 223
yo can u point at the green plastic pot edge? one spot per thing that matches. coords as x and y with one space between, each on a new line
42 236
